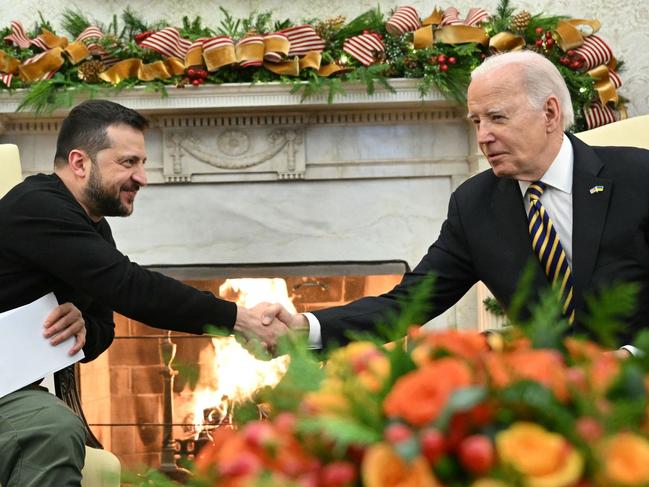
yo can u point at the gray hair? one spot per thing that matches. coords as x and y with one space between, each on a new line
541 78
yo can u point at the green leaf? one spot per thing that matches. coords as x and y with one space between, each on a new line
461 400
344 431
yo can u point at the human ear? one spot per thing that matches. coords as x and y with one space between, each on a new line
79 162
553 114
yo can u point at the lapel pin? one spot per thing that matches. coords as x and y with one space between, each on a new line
596 189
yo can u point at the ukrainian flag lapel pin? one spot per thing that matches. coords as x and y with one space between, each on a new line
596 189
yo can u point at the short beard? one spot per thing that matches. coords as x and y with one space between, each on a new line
100 200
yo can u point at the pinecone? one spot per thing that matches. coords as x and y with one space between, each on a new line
521 21
89 71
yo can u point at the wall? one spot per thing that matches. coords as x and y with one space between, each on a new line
624 24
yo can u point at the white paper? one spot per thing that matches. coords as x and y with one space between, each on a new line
25 354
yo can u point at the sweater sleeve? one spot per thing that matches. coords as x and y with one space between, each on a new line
53 233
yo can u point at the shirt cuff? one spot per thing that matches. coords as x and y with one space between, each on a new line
635 351
315 333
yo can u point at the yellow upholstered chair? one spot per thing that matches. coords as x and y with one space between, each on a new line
102 468
632 132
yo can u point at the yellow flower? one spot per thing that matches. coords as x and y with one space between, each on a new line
544 459
625 460
382 467
489 483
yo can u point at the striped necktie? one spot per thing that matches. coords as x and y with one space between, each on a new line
546 245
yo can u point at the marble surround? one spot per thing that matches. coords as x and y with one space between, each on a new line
256 176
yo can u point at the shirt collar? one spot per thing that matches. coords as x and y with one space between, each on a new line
559 174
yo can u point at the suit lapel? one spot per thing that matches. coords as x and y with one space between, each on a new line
588 213
511 224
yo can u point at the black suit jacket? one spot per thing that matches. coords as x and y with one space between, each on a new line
485 238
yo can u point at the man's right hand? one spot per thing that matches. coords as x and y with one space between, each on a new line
261 323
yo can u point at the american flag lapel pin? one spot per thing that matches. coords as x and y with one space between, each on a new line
596 189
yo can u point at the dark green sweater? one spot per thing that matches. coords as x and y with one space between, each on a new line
49 244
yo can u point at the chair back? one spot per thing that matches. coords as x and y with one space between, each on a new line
632 132
10 172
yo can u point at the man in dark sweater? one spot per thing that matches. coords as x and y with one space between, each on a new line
54 238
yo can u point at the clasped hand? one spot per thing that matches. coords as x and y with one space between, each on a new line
266 323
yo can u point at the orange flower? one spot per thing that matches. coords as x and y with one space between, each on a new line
543 366
625 460
467 345
419 397
602 372
382 467
544 459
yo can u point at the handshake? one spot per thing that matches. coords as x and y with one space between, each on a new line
267 322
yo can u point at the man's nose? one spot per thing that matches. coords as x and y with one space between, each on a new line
139 176
484 133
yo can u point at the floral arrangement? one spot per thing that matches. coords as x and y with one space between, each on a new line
440 50
450 408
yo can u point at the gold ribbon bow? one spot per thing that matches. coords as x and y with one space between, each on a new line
135 68
569 32
429 34
604 85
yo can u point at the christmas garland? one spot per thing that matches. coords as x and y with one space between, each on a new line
440 50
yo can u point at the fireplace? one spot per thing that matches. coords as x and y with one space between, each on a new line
123 391
254 175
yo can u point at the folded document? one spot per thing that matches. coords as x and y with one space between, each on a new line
25 354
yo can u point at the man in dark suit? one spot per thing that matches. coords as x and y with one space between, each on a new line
597 200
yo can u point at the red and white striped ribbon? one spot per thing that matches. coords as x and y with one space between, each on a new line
271 56
89 36
598 115
167 42
476 16
6 78
362 47
405 19
18 35
615 78
594 51
303 39
247 41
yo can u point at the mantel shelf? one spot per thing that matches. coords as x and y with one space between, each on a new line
245 97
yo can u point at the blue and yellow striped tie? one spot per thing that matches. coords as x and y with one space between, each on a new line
549 250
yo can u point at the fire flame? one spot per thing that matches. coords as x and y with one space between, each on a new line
235 374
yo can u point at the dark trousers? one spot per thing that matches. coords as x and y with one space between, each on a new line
42 441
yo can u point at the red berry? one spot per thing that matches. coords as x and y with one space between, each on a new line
337 474
432 444
366 31
443 67
476 454
196 82
538 42
397 432
549 42
570 52
575 65
203 74
539 30
564 60
191 72
589 429
441 59
548 34
452 60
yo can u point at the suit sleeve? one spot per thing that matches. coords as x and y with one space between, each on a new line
448 260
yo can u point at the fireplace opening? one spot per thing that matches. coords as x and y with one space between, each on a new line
149 397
